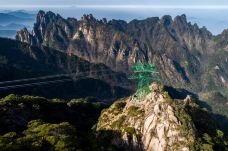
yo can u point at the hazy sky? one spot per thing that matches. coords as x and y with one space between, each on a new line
166 3
210 13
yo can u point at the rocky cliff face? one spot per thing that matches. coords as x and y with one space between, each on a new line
21 61
156 123
181 51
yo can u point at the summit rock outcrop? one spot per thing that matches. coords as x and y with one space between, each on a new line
156 123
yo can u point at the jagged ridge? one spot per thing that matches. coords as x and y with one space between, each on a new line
182 52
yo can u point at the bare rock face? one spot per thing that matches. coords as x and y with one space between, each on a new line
182 52
25 36
155 123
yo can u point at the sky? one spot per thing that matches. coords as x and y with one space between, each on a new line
188 3
210 13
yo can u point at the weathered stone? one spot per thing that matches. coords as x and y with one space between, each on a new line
160 128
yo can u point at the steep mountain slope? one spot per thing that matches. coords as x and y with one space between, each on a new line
159 123
183 53
20 60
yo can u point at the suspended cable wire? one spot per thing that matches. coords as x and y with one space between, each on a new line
50 82
34 84
47 77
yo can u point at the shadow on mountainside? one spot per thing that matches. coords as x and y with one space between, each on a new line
181 94
72 89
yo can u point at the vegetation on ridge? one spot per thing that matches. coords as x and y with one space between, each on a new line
36 123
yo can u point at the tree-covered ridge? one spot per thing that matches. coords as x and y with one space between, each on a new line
42 136
36 123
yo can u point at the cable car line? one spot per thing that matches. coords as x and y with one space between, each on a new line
45 82
47 77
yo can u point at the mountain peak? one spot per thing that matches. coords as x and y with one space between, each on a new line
182 19
153 120
24 36
88 17
45 18
166 20
41 13
156 123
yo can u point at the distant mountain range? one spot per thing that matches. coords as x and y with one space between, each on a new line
10 18
22 14
12 26
8 33
11 21
10 30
